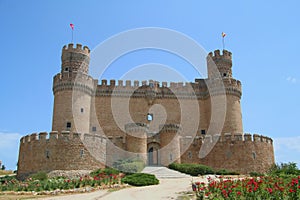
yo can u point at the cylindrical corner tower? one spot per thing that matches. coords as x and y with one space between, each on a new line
222 62
136 139
219 67
73 89
169 143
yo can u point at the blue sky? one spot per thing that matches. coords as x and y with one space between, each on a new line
262 35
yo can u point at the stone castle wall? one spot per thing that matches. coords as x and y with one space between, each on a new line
241 153
61 151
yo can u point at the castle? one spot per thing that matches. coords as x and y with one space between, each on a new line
95 125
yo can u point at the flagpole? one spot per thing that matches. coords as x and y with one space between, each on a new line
72 27
223 39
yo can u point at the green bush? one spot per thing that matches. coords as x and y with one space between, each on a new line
255 174
284 169
140 179
192 169
225 172
39 176
106 171
130 165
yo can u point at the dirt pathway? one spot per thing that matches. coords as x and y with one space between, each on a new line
167 189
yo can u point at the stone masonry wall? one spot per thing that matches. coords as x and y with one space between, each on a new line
240 153
61 151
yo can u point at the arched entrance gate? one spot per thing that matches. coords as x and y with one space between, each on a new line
153 153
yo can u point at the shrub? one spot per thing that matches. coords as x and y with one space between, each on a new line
39 176
140 179
106 171
130 165
284 169
192 169
225 172
255 174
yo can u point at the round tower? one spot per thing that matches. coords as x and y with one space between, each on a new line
73 89
219 68
169 143
223 63
136 140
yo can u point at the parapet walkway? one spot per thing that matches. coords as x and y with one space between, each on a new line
164 172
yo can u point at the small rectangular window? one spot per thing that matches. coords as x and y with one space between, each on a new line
94 128
171 157
81 110
81 153
68 125
203 132
47 154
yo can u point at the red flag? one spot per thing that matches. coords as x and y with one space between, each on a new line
223 34
72 26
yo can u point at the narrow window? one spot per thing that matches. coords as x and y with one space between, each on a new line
171 157
190 155
68 125
81 110
224 74
94 128
149 117
81 153
203 132
254 155
66 69
47 154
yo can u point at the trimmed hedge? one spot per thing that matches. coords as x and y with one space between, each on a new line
197 169
140 179
192 169
225 172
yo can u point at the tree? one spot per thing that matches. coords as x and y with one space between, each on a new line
3 167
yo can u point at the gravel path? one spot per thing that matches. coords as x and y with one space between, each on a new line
167 189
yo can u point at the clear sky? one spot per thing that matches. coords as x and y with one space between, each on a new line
262 35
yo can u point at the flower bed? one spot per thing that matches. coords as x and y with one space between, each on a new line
98 179
265 187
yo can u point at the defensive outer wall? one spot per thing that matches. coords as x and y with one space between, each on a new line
85 135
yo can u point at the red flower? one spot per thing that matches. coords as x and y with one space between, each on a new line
197 183
270 190
238 193
291 190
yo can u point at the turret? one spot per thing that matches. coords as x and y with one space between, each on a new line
223 63
170 146
136 140
75 59
73 89
221 82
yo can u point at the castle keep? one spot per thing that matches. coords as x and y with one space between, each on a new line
95 124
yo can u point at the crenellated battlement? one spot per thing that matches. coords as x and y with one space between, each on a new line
78 49
55 136
201 88
170 128
217 55
136 127
231 137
